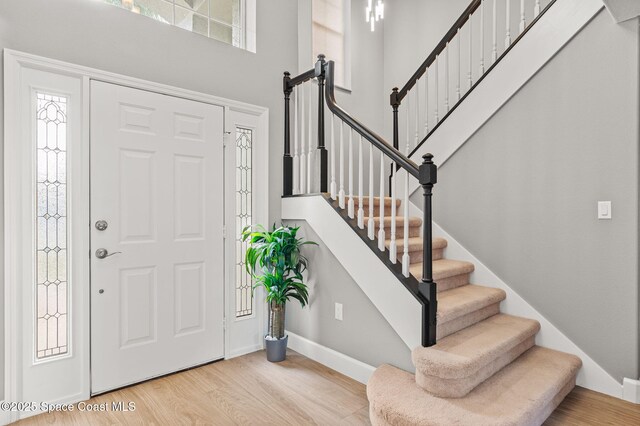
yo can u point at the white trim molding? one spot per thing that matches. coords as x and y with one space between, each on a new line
591 376
246 334
350 367
631 390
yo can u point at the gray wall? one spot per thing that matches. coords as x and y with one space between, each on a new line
98 35
363 333
521 194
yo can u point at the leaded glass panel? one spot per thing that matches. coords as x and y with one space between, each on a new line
52 332
244 297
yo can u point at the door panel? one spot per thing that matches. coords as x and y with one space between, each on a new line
189 196
138 306
157 180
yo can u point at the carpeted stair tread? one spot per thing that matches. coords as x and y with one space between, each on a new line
461 361
415 243
466 351
463 300
524 393
444 268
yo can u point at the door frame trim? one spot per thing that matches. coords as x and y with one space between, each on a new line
14 61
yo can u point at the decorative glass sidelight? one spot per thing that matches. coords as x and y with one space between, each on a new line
51 263
244 141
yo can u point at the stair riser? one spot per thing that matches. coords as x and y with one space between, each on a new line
416 255
451 326
452 282
376 211
376 203
414 231
458 388
556 401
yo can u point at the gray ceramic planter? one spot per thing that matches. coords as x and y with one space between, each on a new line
276 348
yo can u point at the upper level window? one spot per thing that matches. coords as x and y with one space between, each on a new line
229 21
330 36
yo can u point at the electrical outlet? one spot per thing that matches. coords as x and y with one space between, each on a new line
339 311
604 209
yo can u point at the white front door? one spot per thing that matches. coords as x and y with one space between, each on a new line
157 298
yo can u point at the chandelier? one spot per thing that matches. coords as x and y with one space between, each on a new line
375 13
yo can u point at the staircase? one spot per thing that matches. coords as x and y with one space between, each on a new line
475 365
485 368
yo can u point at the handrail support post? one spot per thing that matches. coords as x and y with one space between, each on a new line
287 160
324 156
427 287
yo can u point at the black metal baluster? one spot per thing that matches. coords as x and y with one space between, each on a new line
428 178
287 160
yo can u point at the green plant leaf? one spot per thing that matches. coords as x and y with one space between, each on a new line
275 262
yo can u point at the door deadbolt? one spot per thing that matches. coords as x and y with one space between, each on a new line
101 225
101 253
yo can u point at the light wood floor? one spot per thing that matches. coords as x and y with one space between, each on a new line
250 390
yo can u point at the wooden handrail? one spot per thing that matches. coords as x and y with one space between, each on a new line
387 149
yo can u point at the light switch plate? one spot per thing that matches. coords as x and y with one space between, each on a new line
339 311
604 209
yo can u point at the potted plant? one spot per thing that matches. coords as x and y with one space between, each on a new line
274 261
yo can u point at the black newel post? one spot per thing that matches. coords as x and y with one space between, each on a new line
287 160
395 104
428 178
322 150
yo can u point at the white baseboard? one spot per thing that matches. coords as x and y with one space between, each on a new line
244 351
631 390
340 362
591 376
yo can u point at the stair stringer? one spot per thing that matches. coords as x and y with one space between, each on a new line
559 24
591 375
398 306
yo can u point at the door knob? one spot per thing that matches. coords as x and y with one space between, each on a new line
101 253
101 225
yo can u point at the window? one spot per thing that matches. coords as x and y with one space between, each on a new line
229 21
330 36
51 226
244 294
